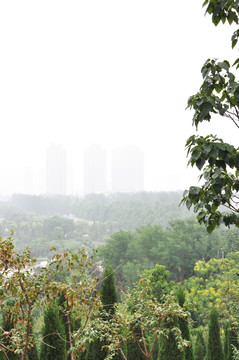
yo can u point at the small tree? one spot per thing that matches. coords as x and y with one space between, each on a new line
108 292
78 290
231 341
33 352
108 295
168 349
53 346
159 278
200 347
214 348
133 351
75 324
226 338
183 323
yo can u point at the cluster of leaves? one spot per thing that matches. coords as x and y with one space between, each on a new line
222 11
235 353
218 94
218 161
215 285
214 158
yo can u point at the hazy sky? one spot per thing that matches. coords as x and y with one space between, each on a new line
107 72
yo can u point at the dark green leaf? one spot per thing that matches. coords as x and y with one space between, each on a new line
200 163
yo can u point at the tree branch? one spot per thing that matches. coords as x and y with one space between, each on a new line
227 114
145 347
154 343
137 342
122 353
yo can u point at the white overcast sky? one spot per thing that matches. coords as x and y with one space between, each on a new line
106 72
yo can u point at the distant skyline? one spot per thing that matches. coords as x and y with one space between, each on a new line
97 171
103 72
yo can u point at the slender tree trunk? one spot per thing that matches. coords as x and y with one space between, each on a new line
145 352
154 343
24 355
69 335
122 353
4 353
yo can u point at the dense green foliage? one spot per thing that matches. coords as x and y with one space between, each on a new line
230 340
8 325
221 185
108 293
143 319
183 323
177 248
168 347
33 352
214 347
53 346
25 289
147 321
215 284
96 350
133 351
159 255
160 284
200 347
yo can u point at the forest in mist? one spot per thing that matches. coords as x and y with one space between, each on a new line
68 222
135 231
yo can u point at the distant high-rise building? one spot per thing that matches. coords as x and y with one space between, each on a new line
95 170
127 169
55 170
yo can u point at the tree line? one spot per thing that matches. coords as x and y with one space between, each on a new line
178 247
122 210
67 222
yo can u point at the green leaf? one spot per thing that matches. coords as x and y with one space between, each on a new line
207 147
210 228
236 62
196 154
194 190
200 163
214 207
224 65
